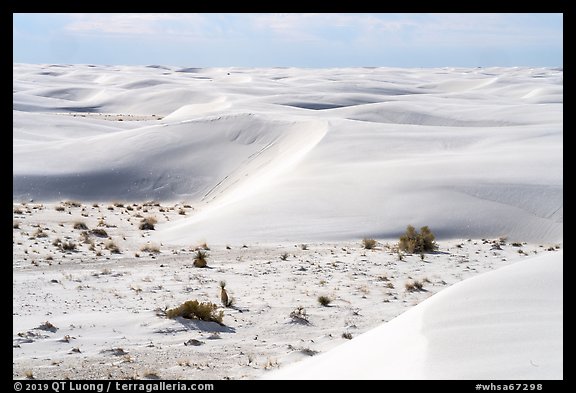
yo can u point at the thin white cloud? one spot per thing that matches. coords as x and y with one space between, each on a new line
134 24
364 29
425 29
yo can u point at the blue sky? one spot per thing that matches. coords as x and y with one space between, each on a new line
291 40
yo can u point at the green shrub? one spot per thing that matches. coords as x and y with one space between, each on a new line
368 244
192 309
413 242
324 300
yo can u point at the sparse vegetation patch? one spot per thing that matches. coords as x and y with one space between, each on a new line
413 241
192 309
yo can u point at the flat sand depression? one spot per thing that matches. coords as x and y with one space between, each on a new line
257 163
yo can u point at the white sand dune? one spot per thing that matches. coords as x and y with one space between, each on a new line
505 324
349 152
257 162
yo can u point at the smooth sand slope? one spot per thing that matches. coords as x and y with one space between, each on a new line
505 324
286 154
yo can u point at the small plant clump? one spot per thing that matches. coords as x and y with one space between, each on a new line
284 256
368 244
40 233
152 248
80 225
99 232
67 246
226 300
413 286
147 224
299 315
413 241
200 259
347 335
113 247
324 300
192 309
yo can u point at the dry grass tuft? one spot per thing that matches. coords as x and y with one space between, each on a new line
368 244
147 224
192 309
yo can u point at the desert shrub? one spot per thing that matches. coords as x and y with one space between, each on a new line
324 300
59 208
148 223
413 241
284 256
182 212
200 259
304 246
113 247
413 286
99 232
39 233
118 204
18 211
73 203
47 326
347 335
368 244
85 237
80 225
516 244
192 309
150 248
202 246
67 246
299 315
15 225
